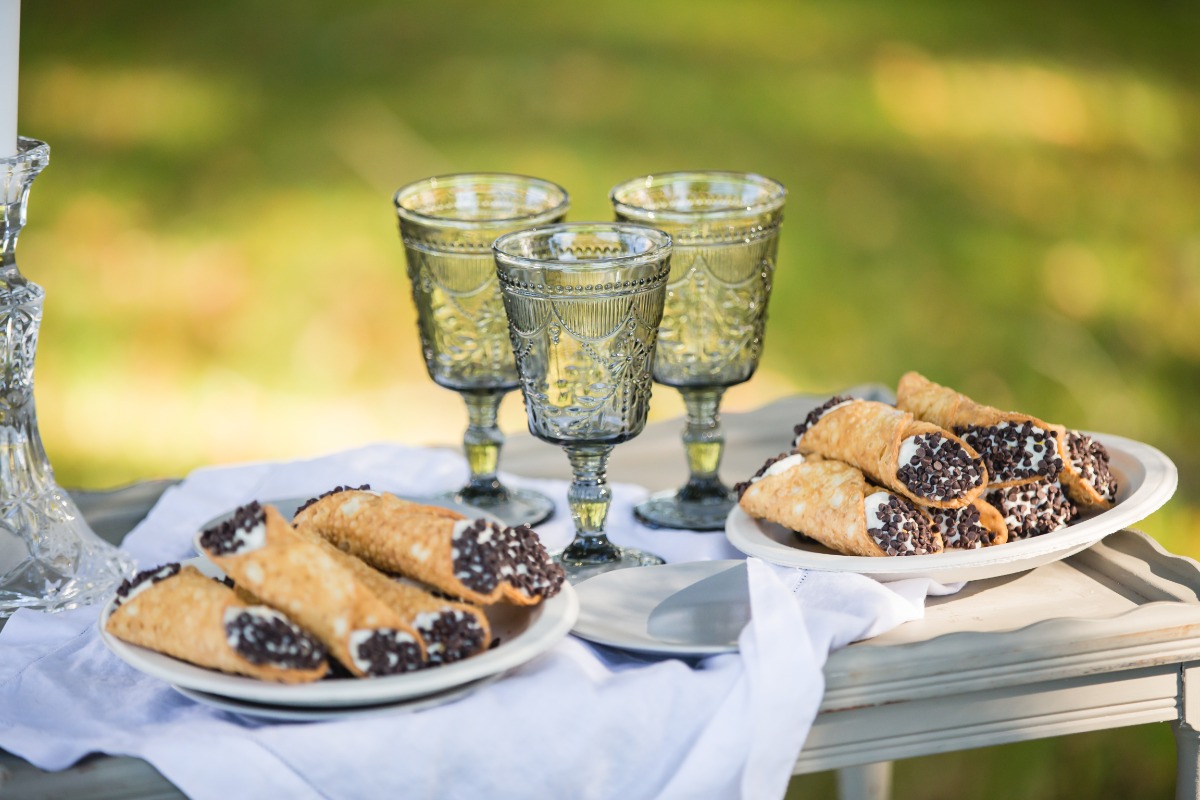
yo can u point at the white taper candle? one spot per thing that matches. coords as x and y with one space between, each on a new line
10 59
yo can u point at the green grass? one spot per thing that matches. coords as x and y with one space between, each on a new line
1005 196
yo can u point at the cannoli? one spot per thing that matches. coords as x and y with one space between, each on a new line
393 503
263 553
971 527
1086 476
451 631
1016 448
919 460
476 560
182 613
833 503
1033 509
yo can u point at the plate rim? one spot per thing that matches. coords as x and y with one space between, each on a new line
651 646
1156 487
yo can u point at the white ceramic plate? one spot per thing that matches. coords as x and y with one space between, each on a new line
524 634
615 610
317 714
1146 480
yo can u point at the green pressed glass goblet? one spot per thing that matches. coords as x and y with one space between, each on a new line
584 301
725 228
448 224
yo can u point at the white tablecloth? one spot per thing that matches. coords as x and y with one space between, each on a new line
578 721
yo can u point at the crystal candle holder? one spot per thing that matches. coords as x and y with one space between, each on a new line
49 558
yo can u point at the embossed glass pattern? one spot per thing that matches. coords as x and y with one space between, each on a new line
584 302
725 227
448 224
49 558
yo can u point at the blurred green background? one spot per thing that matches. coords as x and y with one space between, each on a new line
1003 195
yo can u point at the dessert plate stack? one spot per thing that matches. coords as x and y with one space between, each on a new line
521 634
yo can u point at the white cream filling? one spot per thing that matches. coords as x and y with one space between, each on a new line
780 466
424 621
159 575
490 529
351 506
252 539
784 464
908 450
1048 448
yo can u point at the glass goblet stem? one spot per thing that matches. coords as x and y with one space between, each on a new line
589 498
482 443
704 444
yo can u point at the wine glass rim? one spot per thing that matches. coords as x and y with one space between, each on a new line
496 178
660 240
775 195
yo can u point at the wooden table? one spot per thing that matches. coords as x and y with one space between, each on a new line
1105 639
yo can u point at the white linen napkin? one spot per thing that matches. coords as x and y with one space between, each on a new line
578 721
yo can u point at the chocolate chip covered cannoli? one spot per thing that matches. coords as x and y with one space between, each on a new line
1086 476
394 504
1016 448
451 631
1033 509
264 554
919 460
833 503
476 560
971 527
182 613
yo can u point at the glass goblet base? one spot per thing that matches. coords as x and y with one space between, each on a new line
674 508
621 558
513 507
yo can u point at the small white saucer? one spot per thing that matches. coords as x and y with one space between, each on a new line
615 609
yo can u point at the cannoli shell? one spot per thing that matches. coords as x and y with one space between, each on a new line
819 498
868 434
183 617
320 593
399 539
1081 493
953 410
407 600
991 518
